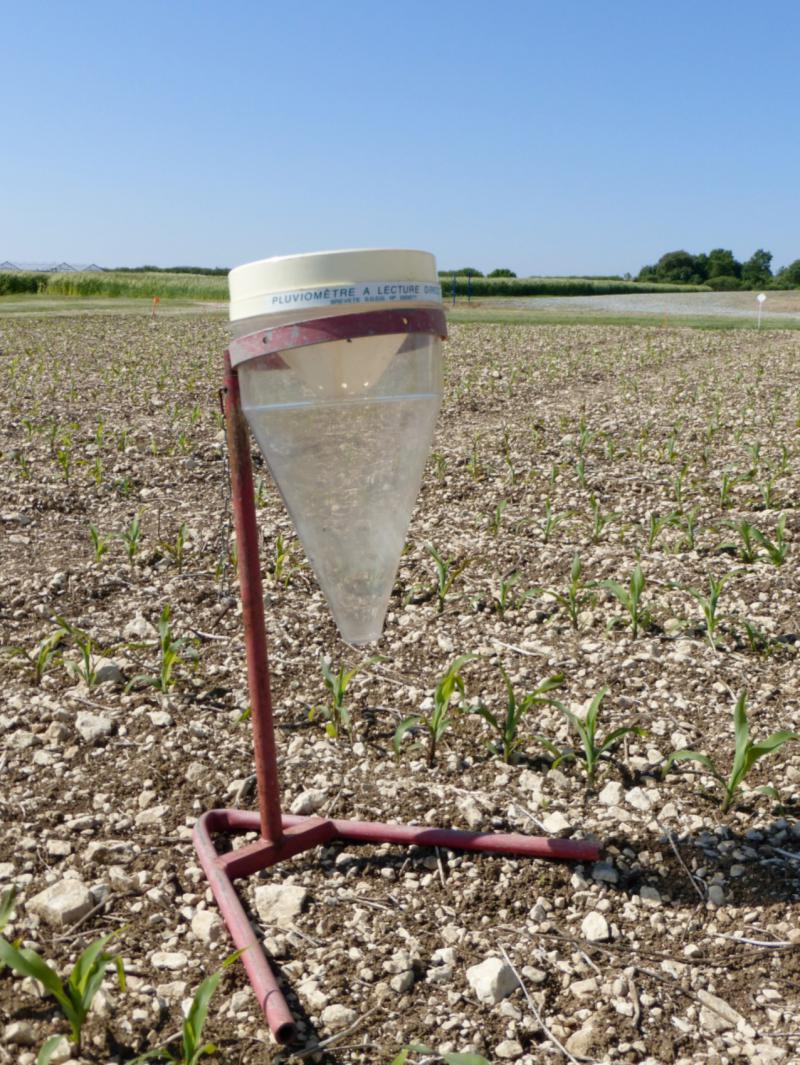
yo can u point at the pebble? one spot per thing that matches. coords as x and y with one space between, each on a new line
63 903
582 1041
153 816
160 718
649 895
637 798
207 926
337 1016
278 904
509 1050
139 628
492 980
716 895
612 794
93 727
556 823
308 802
595 928
172 960
20 1034
584 988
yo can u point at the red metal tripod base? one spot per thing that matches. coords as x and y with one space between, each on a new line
302 834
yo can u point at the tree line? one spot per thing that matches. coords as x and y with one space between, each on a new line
721 270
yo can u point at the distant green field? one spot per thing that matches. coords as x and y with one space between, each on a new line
200 287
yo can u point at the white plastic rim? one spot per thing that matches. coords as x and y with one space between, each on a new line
290 288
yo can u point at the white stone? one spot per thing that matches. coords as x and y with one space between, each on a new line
605 873
716 895
139 628
20 1034
278 904
160 718
584 988
63 903
108 671
308 802
724 1012
313 994
595 928
172 960
556 823
6 870
582 1041
471 812
509 1050
492 980
337 1016
637 798
649 895
612 794
402 982
154 816
207 926
93 727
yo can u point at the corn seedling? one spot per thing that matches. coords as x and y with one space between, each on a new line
505 599
64 460
591 749
85 668
687 523
170 655
573 598
656 525
439 465
43 657
599 520
75 996
629 598
175 550
746 754
507 725
437 721
768 493
282 561
449 1058
778 549
261 494
99 543
708 603
495 518
131 536
746 547
550 521
726 486
97 470
192 1047
447 572
335 712
677 484
473 462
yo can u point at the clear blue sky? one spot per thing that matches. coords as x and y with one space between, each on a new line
546 137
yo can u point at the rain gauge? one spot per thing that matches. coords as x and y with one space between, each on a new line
335 368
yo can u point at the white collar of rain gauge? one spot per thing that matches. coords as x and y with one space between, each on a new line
346 425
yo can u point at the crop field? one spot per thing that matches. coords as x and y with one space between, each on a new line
608 527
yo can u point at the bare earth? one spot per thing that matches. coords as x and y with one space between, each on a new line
615 445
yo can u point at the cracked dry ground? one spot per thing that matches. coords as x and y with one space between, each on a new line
681 945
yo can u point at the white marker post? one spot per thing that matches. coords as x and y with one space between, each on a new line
760 297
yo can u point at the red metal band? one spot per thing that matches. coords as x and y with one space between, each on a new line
340 327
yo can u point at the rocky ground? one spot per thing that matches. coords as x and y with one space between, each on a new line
658 448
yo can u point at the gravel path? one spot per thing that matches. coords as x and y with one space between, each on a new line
707 304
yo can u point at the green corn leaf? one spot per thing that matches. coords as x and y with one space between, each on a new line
7 906
405 726
615 736
48 1049
692 756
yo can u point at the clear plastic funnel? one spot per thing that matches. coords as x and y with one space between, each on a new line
345 428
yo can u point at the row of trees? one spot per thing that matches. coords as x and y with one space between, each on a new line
470 271
721 270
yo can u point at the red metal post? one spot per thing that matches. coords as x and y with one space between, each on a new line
244 517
